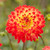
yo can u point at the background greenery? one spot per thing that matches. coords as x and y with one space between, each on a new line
6 6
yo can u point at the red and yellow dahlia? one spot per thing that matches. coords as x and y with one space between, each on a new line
46 48
25 23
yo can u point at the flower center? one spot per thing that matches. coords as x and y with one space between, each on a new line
26 19
26 22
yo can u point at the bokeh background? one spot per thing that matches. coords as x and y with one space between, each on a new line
6 6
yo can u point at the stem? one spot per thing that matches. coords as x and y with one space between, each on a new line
24 46
10 41
36 45
43 41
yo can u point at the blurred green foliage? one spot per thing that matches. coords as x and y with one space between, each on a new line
6 6
48 16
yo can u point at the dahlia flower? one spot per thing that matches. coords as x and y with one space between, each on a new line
25 23
0 45
46 48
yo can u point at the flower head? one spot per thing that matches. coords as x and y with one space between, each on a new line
25 23
46 48
0 45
